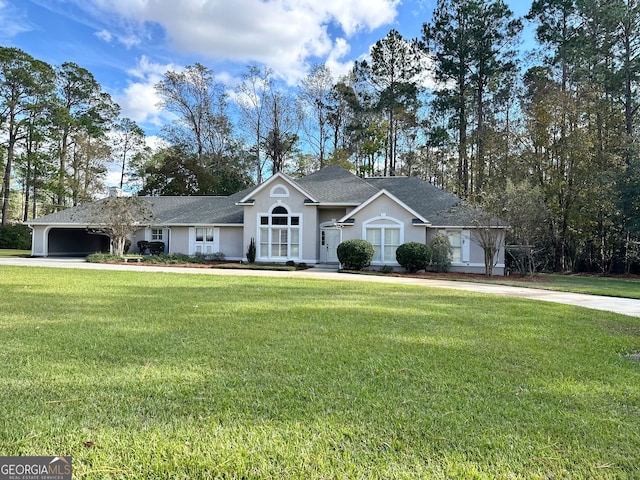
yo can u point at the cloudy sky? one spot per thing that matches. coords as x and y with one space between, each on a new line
129 44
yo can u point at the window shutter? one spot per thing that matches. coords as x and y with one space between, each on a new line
192 240
466 245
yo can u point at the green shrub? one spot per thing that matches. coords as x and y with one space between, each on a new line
386 269
441 252
302 266
413 256
251 251
103 258
290 263
355 254
16 237
173 259
217 256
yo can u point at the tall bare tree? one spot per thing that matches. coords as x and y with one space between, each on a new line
252 95
316 99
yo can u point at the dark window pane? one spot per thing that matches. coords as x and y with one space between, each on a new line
279 211
264 220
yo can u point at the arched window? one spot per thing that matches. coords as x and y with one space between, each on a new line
279 191
386 234
279 234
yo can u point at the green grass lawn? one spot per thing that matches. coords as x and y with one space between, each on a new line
594 285
589 284
5 252
150 375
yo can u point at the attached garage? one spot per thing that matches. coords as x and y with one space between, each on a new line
74 242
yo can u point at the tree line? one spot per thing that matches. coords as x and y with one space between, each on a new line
544 136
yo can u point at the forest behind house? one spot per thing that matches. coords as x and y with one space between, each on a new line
545 137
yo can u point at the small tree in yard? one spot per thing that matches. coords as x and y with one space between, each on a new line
119 217
251 251
441 252
489 235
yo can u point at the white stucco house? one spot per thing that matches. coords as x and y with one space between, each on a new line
302 220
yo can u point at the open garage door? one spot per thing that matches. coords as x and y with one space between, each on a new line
76 242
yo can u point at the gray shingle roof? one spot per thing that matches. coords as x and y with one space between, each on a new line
331 185
440 208
334 184
166 210
424 198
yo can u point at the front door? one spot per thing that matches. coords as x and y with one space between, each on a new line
329 241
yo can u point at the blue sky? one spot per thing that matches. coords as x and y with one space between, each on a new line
129 44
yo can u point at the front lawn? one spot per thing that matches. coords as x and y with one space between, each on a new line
158 375
627 287
7 252
595 285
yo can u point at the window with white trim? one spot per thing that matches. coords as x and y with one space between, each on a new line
385 235
279 191
279 234
157 235
459 240
205 241
455 239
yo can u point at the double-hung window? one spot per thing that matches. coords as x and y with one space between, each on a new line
460 245
157 235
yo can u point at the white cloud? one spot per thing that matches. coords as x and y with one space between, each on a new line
104 35
139 100
339 68
12 21
129 40
284 34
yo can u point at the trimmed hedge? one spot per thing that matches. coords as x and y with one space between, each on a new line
355 254
17 237
413 256
103 258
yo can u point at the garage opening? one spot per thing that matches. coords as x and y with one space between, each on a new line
76 242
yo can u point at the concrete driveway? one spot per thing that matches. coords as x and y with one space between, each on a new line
624 306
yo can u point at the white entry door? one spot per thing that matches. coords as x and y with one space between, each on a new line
329 241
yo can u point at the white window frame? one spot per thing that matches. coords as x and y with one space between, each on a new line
209 242
279 236
384 223
279 190
465 244
157 234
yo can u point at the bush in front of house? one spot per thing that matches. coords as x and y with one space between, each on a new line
174 259
441 253
103 258
16 237
355 254
413 256
251 251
